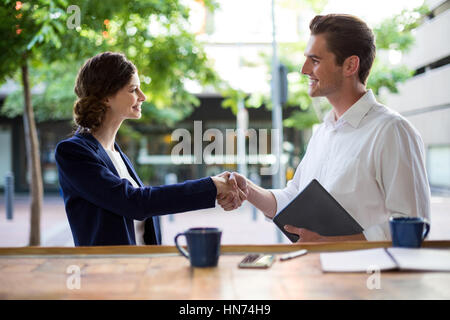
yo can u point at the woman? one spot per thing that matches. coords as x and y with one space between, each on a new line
102 193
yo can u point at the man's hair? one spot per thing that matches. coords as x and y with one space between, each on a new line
347 35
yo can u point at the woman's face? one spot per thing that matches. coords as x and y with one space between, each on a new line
126 103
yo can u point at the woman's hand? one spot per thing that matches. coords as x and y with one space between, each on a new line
238 181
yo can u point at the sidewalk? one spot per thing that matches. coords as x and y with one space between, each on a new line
55 230
239 226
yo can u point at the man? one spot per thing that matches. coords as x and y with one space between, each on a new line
367 156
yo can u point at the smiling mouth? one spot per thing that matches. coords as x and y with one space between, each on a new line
313 82
137 107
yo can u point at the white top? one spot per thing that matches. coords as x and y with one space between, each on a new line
116 159
372 162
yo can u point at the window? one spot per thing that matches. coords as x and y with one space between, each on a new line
438 163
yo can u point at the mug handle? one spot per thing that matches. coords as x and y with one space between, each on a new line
427 229
182 251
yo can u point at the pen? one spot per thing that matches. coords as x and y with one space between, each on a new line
292 255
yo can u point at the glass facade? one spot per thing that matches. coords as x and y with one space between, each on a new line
438 165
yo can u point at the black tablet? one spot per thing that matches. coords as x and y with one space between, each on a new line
316 210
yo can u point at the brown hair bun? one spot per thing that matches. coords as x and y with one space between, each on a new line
88 112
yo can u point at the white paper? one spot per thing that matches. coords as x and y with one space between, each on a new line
357 261
421 259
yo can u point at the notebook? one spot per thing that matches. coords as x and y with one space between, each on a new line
386 259
316 210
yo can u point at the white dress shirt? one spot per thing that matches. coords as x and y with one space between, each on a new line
139 226
371 160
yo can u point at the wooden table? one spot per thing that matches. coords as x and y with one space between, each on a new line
159 272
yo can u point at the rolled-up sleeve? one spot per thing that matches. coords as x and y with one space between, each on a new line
401 176
286 195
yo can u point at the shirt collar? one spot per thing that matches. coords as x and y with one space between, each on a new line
355 113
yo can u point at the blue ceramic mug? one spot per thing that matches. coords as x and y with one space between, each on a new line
203 246
408 232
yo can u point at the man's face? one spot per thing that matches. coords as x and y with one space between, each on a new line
325 76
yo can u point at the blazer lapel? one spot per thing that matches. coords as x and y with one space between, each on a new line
100 151
129 165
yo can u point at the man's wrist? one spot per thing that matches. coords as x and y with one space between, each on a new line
261 198
251 191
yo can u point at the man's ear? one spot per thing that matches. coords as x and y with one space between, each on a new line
351 66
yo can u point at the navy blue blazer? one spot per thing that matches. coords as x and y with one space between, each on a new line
101 206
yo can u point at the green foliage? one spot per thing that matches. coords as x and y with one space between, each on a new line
391 34
22 29
55 97
291 55
232 98
301 119
387 76
152 33
394 33
146 173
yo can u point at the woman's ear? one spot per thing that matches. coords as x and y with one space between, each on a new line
106 101
351 66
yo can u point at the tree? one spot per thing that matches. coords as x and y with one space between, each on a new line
39 44
394 35
21 23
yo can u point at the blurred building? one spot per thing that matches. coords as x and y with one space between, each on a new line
425 98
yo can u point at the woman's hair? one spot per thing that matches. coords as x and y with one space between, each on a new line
347 35
100 77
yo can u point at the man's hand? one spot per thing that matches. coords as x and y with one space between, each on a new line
310 236
305 235
229 195
239 182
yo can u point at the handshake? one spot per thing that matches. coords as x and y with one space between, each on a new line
232 190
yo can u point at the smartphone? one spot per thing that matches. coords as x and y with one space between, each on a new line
257 260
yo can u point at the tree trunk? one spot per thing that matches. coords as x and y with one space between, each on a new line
33 160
